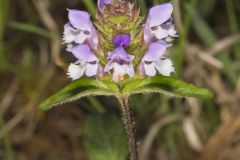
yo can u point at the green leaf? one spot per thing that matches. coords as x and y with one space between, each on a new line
104 138
166 85
78 89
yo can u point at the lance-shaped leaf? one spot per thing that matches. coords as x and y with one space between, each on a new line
78 89
166 85
104 138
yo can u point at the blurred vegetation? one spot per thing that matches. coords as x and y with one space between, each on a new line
33 63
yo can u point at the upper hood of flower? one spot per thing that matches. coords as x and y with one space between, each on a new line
157 24
155 52
84 53
159 14
80 19
80 29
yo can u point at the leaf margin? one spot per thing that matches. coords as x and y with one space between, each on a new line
91 87
147 85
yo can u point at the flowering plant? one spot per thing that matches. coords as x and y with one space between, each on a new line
120 55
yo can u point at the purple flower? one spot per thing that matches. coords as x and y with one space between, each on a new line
154 59
160 24
80 29
81 38
121 63
122 40
102 3
87 63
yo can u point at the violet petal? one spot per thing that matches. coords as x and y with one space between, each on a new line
92 69
156 17
80 19
129 70
68 34
148 35
93 40
75 71
122 40
83 52
155 52
165 67
109 66
150 69
121 63
120 53
160 14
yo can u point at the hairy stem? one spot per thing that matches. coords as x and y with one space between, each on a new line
129 125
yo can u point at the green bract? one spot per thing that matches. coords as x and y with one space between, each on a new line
78 89
91 87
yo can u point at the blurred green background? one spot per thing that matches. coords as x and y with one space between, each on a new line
33 63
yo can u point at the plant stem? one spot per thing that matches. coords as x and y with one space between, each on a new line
129 125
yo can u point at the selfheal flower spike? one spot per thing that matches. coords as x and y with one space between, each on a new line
120 46
124 50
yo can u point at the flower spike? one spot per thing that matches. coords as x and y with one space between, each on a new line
120 46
